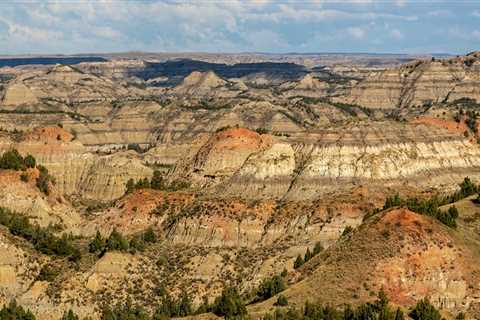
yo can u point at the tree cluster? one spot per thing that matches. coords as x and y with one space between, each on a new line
379 309
431 206
308 255
424 310
44 180
13 311
270 287
125 312
230 305
157 182
116 241
170 307
42 238
13 160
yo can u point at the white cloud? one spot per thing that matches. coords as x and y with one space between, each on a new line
396 34
476 13
357 32
440 13
264 40
476 34
107 32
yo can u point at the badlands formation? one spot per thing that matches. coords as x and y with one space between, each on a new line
237 171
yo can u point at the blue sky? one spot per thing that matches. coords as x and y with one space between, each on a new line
395 26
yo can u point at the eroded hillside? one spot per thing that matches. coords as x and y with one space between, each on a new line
156 183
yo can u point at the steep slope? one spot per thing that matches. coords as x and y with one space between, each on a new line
409 255
221 155
59 88
199 83
308 86
241 162
76 170
420 82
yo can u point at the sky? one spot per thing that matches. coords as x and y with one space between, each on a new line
373 26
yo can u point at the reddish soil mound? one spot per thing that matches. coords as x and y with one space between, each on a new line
450 125
410 255
238 138
49 133
144 201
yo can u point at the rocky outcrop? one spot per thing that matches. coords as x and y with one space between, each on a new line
408 255
18 269
76 170
222 155
308 86
420 82
199 83
329 160
59 88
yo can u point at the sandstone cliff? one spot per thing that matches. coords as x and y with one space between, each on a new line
420 82
409 255
76 170
334 159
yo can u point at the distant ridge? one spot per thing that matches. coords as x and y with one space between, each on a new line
15 62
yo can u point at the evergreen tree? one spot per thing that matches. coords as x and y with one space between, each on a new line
97 244
116 241
30 161
399 315
13 311
308 255
270 287
424 310
12 159
157 180
69 315
130 186
298 262
318 248
149 235
230 305
184 305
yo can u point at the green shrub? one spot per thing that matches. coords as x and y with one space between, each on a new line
13 311
24 177
97 244
170 307
116 241
270 287
30 161
48 273
12 160
281 301
298 262
424 310
230 305
149 235
41 238
44 180
69 315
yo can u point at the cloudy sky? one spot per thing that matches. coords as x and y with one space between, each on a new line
395 26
